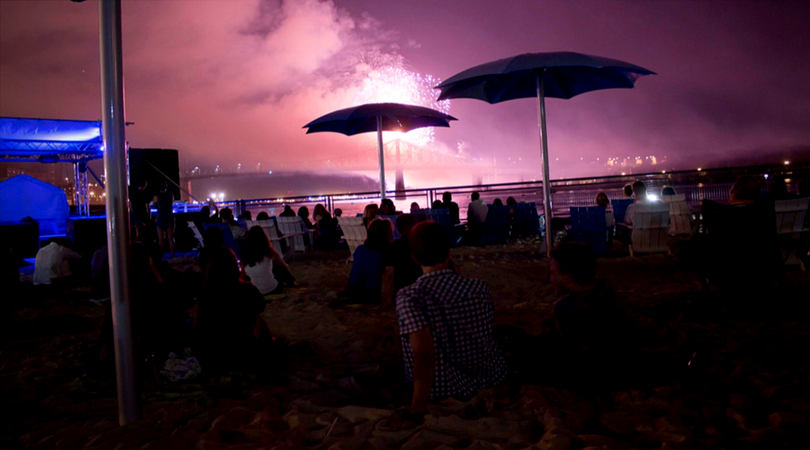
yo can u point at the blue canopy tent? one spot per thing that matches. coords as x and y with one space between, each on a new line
52 141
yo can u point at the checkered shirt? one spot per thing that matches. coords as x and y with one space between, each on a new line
458 311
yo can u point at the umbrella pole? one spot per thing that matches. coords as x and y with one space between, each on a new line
380 151
541 125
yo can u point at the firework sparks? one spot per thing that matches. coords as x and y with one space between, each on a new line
397 85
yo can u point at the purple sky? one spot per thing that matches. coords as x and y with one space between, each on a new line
234 81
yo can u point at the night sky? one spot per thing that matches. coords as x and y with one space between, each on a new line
233 81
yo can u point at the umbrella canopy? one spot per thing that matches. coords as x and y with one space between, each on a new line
379 117
540 75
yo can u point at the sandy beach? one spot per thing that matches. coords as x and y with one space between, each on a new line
747 386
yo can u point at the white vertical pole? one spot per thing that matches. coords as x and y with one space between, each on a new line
380 151
541 125
118 239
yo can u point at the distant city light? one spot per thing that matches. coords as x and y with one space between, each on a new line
766 176
699 169
787 163
270 172
652 197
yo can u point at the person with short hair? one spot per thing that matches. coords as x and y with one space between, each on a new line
476 218
667 191
227 218
628 190
445 323
447 202
640 194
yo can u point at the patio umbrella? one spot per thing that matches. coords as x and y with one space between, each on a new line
541 75
379 117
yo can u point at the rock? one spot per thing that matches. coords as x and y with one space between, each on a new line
306 421
624 422
299 385
600 441
426 440
554 441
393 438
358 414
487 428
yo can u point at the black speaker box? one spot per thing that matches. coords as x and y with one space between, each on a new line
146 164
87 233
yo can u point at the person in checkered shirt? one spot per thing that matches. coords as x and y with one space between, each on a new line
445 321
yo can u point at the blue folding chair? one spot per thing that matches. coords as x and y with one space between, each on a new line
588 226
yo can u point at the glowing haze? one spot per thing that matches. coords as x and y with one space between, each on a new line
232 81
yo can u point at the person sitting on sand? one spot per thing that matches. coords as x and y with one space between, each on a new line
227 218
445 323
229 323
448 203
406 270
365 278
602 200
265 267
52 262
370 213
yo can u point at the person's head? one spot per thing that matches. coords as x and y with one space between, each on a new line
405 222
497 202
370 212
257 246
640 191
338 212
226 214
288 209
262 216
573 266
414 206
667 190
387 207
205 212
303 212
213 238
778 189
223 268
319 210
628 190
247 215
511 201
475 196
437 204
447 197
380 233
746 189
602 199
429 244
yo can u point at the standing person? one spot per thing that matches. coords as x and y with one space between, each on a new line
165 218
447 202
139 202
476 217
445 322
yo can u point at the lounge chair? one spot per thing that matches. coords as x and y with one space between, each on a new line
271 231
495 226
791 218
649 229
589 226
354 232
442 217
680 219
196 232
620 208
294 227
527 220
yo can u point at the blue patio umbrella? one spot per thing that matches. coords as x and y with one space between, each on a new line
541 75
379 117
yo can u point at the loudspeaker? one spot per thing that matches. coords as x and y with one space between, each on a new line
145 164
23 237
87 233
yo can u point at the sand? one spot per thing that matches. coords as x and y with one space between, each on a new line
747 386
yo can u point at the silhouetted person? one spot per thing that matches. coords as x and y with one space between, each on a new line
406 270
628 190
370 213
303 213
227 218
288 212
387 207
265 267
447 202
368 266
164 220
262 216
667 190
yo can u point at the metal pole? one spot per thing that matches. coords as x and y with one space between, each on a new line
115 164
541 125
380 150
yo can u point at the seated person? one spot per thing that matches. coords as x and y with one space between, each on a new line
640 193
414 206
265 267
365 278
303 213
53 261
262 216
437 204
445 323
406 270
610 220
370 213
387 207
229 325
746 190
227 218
448 203
476 217
667 191
288 212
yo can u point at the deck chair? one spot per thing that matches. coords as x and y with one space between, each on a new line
680 219
442 217
354 232
527 221
284 249
303 238
393 219
589 226
620 208
649 229
790 215
196 232
495 225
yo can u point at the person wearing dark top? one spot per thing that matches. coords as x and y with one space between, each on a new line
262 216
406 270
437 204
368 267
229 325
139 202
213 240
288 212
387 207
303 213
447 202
165 217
